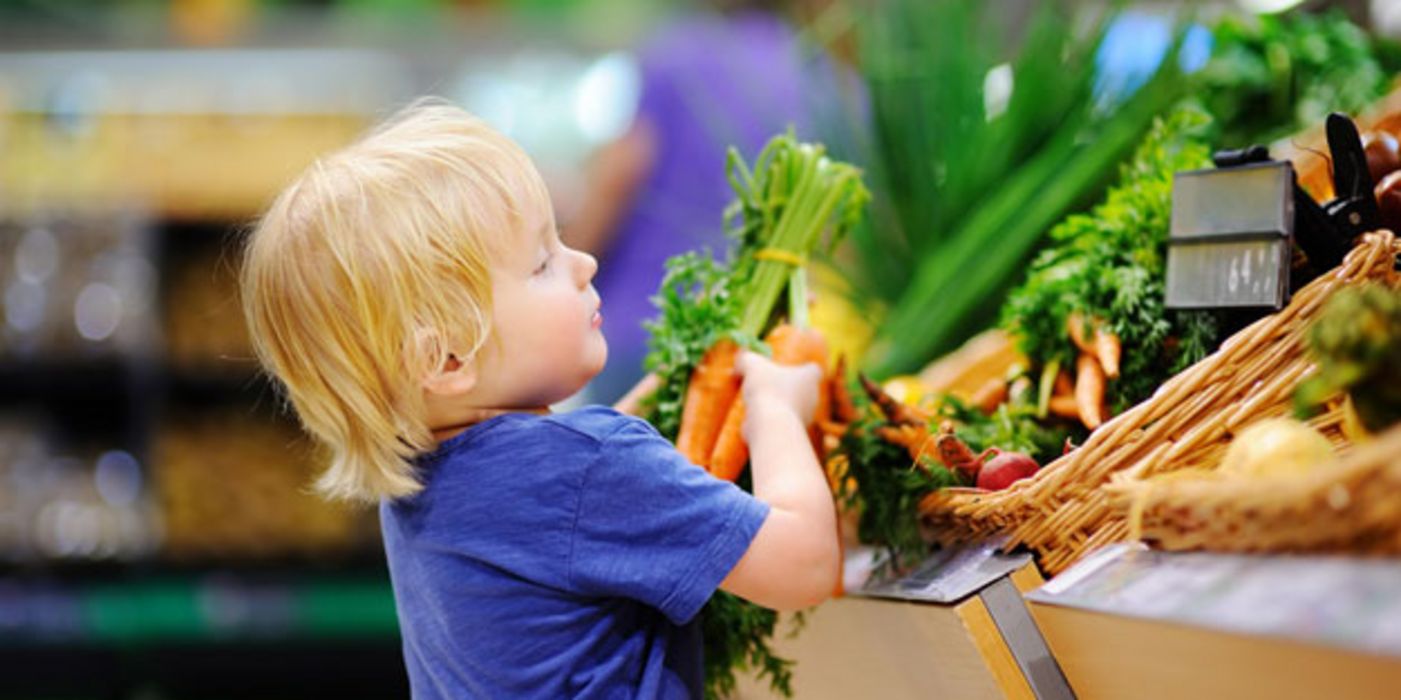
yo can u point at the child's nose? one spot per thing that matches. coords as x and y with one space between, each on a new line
588 266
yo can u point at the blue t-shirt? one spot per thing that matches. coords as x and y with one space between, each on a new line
561 556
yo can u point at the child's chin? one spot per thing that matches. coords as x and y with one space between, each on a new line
602 360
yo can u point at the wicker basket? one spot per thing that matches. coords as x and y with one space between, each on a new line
1355 506
1064 511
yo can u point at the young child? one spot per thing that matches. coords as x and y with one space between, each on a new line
412 296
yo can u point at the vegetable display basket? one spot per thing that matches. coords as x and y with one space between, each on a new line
1354 506
1068 509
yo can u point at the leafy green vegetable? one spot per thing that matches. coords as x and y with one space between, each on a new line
1357 341
696 310
736 635
1110 265
1273 75
965 191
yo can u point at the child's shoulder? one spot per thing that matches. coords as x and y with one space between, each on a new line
597 422
546 438
594 424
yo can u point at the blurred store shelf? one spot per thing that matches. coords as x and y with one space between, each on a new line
180 134
158 536
169 634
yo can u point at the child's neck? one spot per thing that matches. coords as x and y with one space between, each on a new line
478 415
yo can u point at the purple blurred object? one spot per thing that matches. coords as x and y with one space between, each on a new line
707 83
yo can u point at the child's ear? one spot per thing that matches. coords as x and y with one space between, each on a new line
454 378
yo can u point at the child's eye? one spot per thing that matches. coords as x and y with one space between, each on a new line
540 269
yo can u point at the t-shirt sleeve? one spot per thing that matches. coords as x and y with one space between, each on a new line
655 528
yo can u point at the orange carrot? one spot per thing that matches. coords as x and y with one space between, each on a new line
895 413
990 395
799 346
1103 344
791 345
1107 350
916 439
1089 390
1064 405
731 453
1063 384
1075 326
842 406
712 390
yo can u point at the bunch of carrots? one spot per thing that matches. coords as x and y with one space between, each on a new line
791 200
784 205
714 412
713 415
1083 397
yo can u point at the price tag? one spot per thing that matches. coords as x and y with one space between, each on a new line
1231 237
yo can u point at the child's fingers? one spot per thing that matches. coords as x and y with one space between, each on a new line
750 361
811 371
747 361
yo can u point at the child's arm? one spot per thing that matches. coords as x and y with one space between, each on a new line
631 403
793 561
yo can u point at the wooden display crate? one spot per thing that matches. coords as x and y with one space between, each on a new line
955 628
1131 623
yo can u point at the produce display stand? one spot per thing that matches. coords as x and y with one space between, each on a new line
1160 625
954 627
1064 512
1129 622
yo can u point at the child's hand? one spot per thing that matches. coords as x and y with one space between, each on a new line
768 386
795 558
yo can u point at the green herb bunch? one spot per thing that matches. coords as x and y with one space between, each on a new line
1110 265
736 635
696 309
884 486
1273 75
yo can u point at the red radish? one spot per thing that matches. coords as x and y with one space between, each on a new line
1004 468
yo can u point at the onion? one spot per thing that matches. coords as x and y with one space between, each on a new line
1277 446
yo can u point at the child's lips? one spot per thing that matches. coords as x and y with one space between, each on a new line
597 320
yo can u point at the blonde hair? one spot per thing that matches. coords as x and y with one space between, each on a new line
369 270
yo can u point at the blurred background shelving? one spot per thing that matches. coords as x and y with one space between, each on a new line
158 537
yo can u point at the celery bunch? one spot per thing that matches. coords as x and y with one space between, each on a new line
788 200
